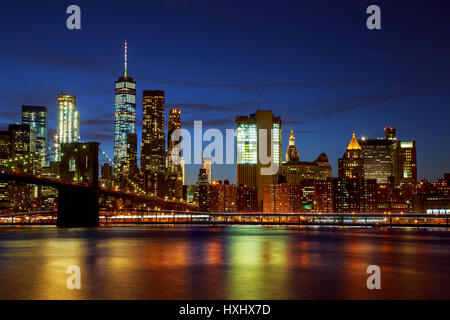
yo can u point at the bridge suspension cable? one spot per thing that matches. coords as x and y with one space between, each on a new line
119 170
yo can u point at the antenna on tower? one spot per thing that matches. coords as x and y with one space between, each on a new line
125 58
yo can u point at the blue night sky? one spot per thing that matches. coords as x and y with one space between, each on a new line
314 63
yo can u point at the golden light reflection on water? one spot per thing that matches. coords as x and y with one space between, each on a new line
254 261
236 262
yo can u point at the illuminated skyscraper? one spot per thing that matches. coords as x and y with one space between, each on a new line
68 129
175 171
124 114
207 165
173 124
153 154
377 156
203 191
36 118
249 165
404 162
351 165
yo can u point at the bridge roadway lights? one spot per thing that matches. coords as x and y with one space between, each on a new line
77 207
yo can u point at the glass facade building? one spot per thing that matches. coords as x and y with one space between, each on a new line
68 129
36 118
249 168
246 142
124 117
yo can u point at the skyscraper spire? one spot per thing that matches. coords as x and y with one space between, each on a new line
353 145
125 58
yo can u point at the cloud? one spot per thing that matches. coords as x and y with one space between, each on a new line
326 108
261 85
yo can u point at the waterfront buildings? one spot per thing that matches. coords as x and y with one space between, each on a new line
354 195
249 165
276 197
36 118
68 128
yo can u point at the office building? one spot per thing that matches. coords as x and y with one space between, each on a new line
351 165
23 139
153 154
251 171
404 162
354 195
68 128
203 191
124 114
297 171
207 165
36 118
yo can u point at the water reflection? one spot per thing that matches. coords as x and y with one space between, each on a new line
233 262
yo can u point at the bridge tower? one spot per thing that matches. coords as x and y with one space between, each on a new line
78 201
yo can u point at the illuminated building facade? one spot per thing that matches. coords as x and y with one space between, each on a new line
351 165
207 165
292 154
306 197
124 117
377 158
354 195
153 154
175 172
68 129
5 155
23 139
173 124
246 199
203 189
124 114
5 145
248 164
223 197
404 162
106 176
323 196
297 171
36 118
276 197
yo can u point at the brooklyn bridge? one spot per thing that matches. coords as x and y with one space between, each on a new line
78 188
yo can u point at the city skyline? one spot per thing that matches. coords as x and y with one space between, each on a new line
322 106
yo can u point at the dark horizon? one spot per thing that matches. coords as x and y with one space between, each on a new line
314 64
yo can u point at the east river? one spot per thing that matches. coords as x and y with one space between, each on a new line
229 262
